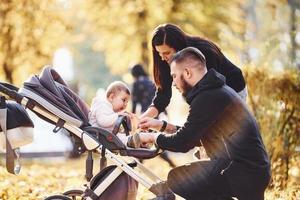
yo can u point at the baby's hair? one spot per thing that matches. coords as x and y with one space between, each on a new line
115 87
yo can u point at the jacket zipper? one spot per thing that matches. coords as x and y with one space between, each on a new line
223 170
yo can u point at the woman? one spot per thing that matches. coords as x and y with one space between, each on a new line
167 40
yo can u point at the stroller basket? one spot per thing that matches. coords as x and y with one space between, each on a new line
50 98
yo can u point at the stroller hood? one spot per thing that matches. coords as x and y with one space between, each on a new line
50 90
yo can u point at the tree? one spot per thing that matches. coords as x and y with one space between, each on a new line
90 69
269 36
30 31
293 4
124 28
273 80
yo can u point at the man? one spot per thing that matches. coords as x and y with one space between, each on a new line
220 121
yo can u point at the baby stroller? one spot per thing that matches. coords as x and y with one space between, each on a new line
48 96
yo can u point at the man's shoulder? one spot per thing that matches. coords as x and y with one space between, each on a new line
212 96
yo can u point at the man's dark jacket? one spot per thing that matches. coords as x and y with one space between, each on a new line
219 118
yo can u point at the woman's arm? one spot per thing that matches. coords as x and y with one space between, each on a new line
163 94
160 102
150 112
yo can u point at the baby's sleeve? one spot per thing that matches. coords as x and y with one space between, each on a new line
105 117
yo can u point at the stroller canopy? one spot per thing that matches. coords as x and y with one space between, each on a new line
52 93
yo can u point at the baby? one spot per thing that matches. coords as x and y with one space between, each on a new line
105 110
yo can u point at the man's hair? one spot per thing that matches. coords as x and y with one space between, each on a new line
189 53
115 87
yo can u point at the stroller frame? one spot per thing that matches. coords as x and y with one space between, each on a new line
153 183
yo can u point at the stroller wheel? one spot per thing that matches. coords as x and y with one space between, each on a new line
58 197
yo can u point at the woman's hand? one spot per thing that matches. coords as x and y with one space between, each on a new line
150 123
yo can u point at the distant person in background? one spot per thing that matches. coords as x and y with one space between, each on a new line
143 91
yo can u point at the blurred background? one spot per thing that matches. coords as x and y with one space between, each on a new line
93 42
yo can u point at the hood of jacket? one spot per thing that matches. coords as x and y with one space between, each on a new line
211 80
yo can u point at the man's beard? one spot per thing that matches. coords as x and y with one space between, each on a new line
186 87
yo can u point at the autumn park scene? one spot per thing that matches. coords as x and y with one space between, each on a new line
140 99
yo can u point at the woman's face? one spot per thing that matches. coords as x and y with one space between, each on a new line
165 52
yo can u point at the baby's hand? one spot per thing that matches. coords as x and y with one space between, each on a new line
126 114
133 120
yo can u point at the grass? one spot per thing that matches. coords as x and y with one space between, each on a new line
42 177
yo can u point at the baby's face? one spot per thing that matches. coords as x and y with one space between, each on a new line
120 101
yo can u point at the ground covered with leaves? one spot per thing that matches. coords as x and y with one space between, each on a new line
42 177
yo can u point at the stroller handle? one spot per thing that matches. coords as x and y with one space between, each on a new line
11 91
141 153
122 120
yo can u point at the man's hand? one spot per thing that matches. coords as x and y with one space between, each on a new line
146 138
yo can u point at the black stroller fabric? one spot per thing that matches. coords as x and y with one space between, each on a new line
17 116
52 87
13 116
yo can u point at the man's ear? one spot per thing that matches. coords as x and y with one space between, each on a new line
187 72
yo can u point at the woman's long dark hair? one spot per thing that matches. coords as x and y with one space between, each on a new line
176 38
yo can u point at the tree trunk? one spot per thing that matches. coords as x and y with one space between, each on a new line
7 72
142 16
7 68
